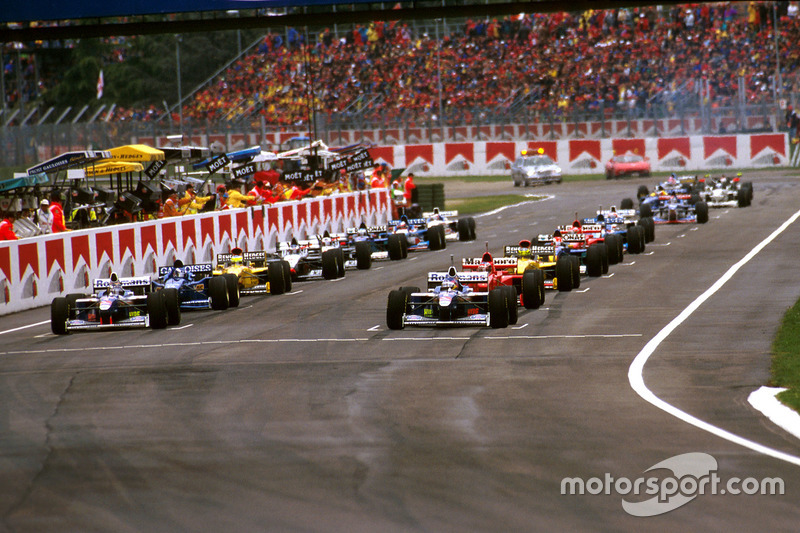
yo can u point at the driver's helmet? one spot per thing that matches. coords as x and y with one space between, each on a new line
362 231
448 285
524 252
485 267
237 260
179 273
115 285
402 225
672 179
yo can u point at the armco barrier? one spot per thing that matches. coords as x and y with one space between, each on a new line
714 153
33 271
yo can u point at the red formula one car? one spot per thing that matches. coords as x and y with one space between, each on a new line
525 288
628 164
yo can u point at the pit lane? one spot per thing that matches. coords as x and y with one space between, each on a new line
297 412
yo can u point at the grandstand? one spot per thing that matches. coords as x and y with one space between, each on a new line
698 60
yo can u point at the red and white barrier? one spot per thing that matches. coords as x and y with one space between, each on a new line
589 156
33 271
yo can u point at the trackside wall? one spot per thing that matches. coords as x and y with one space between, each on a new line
698 153
33 271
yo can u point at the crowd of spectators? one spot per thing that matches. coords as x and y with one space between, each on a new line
627 58
622 58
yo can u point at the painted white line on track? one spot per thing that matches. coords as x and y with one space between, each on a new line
584 290
377 268
414 258
374 328
647 253
501 209
681 236
525 325
513 231
184 327
25 327
628 264
301 290
635 372
337 279
44 335
764 399
515 337
660 244
694 228
607 276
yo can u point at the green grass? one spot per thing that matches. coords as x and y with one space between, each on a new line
503 178
786 358
467 206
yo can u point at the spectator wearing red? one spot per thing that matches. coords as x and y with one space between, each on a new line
7 229
408 187
171 206
263 190
57 211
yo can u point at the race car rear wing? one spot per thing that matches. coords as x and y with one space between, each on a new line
436 278
535 250
500 263
200 270
252 258
411 222
445 214
139 285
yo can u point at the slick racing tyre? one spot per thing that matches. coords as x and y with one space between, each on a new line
339 262
330 267
576 271
532 288
395 246
157 309
626 203
634 239
464 233
59 314
363 255
172 301
471 222
701 210
287 276
218 291
395 309
645 210
275 275
498 308
594 261
232 283
512 300
564 273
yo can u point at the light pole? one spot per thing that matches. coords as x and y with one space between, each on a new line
178 69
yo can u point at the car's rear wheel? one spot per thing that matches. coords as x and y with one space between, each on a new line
173 302
287 276
564 273
395 247
463 229
594 261
275 275
59 314
532 288
218 291
395 309
330 268
339 262
232 284
363 255
498 308
576 271
626 203
157 310
512 301
634 239
701 210
645 210
471 222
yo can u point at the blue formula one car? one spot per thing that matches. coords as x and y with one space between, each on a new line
195 286
418 233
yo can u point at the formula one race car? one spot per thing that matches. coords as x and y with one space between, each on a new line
382 244
525 286
674 209
461 229
418 235
115 303
196 286
727 192
623 231
256 272
587 244
560 270
313 258
449 301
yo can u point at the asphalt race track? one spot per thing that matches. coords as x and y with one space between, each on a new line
303 412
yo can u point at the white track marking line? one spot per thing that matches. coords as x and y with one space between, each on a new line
414 258
501 209
660 244
694 228
525 325
648 253
182 327
25 327
374 328
295 292
606 276
377 268
635 372
628 264
584 290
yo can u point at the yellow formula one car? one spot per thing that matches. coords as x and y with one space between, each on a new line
561 273
257 272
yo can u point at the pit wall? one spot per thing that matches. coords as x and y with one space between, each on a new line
694 154
35 270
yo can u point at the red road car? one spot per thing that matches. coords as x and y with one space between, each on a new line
627 165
